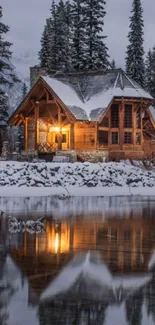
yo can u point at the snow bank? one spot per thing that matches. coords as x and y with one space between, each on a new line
107 178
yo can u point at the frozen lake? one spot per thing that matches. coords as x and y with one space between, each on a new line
94 263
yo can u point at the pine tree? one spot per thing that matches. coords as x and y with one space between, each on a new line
135 51
62 30
24 90
44 53
95 49
113 64
78 36
7 76
150 73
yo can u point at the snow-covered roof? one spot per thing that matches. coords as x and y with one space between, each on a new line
88 95
152 111
86 271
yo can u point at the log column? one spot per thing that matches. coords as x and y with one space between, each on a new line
36 126
26 133
72 136
134 113
121 124
60 133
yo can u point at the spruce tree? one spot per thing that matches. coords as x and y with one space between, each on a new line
135 51
150 73
44 53
95 49
7 76
78 36
63 33
24 90
113 64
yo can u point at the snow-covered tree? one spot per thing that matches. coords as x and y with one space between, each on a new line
44 53
24 90
63 36
113 64
7 76
150 72
95 50
78 36
135 67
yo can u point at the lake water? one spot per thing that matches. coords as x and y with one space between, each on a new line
93 263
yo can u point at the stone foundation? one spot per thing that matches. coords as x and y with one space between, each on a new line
93 156
72 154
123 155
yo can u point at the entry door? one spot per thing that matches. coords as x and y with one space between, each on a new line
65 140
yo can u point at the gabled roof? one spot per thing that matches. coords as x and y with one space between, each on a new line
87 95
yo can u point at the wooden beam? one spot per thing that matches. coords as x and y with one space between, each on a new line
121 124
26 134
60 133
72 136
96 134
36 126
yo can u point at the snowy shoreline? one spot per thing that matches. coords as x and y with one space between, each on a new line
18 179
15 191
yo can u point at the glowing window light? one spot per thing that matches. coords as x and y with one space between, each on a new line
54 129
56 242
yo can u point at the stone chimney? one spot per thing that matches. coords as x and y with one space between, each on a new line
35 73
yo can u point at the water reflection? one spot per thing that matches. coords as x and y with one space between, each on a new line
81 271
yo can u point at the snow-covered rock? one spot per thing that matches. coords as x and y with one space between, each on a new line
63 175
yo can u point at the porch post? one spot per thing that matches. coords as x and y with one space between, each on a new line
36 126
72 136
121 124
26 134
60 132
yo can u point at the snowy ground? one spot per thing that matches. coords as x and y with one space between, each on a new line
47 179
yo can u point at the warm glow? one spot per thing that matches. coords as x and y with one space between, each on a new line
55 129
56 242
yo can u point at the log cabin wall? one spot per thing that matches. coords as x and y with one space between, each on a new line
121 130
85 135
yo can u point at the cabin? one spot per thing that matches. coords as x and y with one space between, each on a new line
98 114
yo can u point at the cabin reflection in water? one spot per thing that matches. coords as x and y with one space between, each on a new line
125 246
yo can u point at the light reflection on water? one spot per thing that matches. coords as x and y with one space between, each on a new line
115 285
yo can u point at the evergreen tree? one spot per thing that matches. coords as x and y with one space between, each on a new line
44 53
135 51
7 76
78 36
95 49
24 90
150 73
113 64
63 34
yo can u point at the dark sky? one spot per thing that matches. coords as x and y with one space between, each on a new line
26 20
